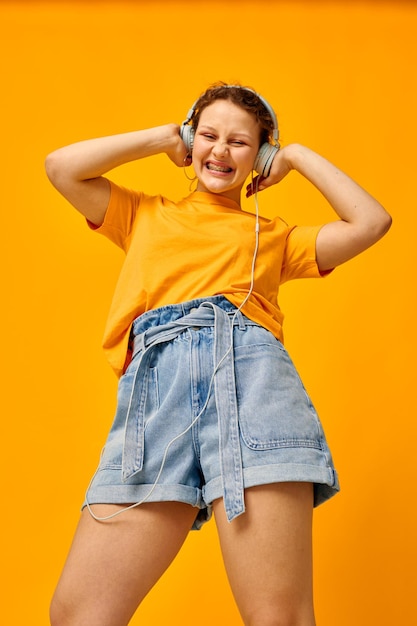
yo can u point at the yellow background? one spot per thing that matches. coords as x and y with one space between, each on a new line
342 79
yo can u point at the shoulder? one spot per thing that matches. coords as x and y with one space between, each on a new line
125 207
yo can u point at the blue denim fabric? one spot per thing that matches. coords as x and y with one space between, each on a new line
204 413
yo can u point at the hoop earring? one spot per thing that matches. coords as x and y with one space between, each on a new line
184 170
194 178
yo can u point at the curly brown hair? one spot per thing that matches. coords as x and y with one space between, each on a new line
245 97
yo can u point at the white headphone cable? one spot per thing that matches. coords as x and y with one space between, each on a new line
184 432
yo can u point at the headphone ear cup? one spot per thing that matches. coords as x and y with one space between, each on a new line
187 135
264 158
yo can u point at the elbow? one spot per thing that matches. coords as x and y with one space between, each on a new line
375 229
53 167
59 170
384 224
376 225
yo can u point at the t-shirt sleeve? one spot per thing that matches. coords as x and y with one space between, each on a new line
120 215
300 254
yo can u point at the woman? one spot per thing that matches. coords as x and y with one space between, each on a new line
211 416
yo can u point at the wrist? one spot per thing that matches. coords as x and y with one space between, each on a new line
173 137
156 140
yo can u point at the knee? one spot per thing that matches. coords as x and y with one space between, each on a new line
59 614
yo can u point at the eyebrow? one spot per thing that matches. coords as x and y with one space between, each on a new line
234 134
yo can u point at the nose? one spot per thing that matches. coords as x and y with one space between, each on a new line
220 148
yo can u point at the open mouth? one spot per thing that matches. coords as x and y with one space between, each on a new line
218 168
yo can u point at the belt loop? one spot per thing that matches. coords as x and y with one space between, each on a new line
139 343
242 325
237 315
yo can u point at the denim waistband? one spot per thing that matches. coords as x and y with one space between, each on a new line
220 314
173 312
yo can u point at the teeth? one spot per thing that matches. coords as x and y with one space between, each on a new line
218 168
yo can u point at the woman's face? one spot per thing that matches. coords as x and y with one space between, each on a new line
226 143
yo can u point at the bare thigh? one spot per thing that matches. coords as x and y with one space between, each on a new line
112 565
268 554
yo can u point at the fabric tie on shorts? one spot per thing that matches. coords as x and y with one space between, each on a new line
208 314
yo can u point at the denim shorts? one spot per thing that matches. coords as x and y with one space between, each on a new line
210 405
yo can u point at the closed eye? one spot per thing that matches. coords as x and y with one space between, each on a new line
234 142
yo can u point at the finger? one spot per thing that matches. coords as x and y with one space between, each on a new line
255 185
182 160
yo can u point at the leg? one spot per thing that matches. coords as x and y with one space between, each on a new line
268 554
112 565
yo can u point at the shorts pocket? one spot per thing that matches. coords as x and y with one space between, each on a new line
274 408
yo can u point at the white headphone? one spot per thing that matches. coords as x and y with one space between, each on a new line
267 151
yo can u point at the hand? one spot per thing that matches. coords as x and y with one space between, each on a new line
280 167
176 149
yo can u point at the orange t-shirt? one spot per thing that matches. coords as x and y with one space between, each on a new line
198 247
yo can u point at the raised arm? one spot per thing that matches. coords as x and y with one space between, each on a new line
77 170
362 219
